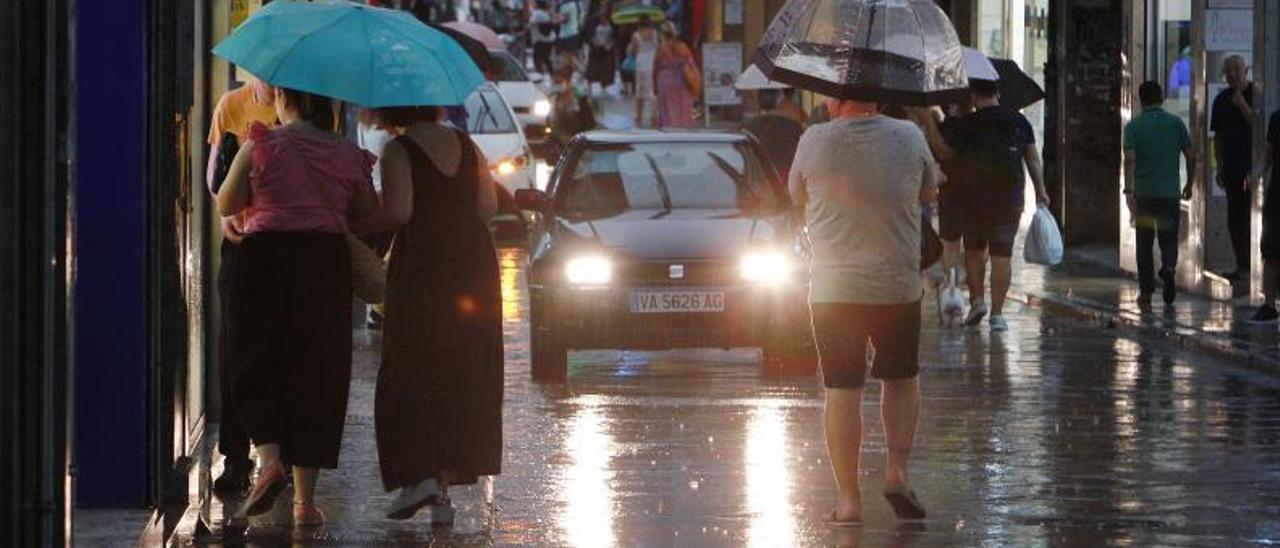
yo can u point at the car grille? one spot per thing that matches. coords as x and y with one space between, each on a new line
658 273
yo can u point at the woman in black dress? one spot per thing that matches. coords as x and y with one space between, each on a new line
601 58
439 396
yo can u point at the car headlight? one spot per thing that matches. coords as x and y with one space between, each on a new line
507 166
589 271
766 267
541 107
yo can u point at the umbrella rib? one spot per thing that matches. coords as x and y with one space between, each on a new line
448 74
308 35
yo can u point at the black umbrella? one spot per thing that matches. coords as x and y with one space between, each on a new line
475 49
1017 89
892 51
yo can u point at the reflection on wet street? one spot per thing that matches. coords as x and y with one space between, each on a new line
1055 434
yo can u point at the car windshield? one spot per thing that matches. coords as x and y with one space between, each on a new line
505 68
487 114
611 179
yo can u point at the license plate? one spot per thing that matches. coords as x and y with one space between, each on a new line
662 301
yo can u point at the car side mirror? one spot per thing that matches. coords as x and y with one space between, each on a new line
537 77
532 199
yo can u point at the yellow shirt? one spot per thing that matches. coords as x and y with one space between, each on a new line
236 111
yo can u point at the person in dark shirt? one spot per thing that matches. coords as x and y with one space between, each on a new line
1270 224
992 144
776 131
1232 127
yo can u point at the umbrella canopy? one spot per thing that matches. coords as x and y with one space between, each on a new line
481 33
476 50
890 51
369 56
752 78
630 15
979 66
1017 89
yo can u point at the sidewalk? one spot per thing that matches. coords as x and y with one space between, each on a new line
1088 288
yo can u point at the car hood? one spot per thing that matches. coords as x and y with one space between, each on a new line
683 233
519 94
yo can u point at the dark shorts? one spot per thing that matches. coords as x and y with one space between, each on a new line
572 45
992 235
842 331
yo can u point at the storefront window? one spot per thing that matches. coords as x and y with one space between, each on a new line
991 27
1170 57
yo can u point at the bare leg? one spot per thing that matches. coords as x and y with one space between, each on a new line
900 412
639 111
268 456
1001 277
975 263
844 445
305 511
952 256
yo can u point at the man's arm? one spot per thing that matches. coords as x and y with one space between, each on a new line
1031 156
1217 157
1246 110
937 143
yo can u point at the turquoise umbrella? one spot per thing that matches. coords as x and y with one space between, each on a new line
365 55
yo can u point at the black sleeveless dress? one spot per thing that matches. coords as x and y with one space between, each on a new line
439 397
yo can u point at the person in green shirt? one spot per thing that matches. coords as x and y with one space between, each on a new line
1153 141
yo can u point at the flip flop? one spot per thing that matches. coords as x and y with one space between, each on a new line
832 522
904 502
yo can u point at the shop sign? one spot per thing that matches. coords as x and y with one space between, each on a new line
721 65
1228 30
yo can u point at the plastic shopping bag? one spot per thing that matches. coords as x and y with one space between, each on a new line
1044 241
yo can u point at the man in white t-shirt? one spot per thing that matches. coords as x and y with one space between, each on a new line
862 178
542 32
569 43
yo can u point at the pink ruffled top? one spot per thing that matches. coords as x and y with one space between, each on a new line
291 169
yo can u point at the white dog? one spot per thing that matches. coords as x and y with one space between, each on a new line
950 302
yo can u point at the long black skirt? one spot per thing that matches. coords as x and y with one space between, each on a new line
291 305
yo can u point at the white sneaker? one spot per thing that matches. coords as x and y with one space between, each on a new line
413 498
976 312
998 324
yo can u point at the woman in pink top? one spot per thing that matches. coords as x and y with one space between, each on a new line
291 303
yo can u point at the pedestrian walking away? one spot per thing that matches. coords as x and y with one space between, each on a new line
676 79
776 131
291 300
235 112
438 405
601 60
569 32
1270 223
542 32
644 47
1153 141
1232 122
862 179
952 200
992 144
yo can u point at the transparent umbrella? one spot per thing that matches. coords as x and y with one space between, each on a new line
890 51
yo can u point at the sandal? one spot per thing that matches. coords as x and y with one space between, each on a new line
832 522
306 514
265 491
904 502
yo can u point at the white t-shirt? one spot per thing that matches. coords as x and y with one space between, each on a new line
859 180
539 17
569 9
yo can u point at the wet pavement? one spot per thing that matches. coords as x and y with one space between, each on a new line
1057 433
